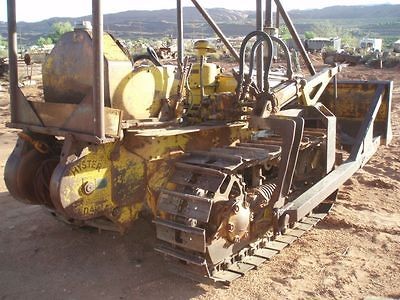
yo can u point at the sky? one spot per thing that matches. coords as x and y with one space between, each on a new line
36 10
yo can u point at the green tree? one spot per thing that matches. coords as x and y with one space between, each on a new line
284 33
3 41
167 41
309 34
44 41
58 29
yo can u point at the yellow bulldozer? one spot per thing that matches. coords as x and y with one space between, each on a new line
233 166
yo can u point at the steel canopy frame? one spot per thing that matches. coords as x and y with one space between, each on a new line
259 21
98 64
98 68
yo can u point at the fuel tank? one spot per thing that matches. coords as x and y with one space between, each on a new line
68 76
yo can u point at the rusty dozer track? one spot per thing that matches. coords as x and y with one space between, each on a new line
212 224
234 167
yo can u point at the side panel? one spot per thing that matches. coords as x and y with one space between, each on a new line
117 180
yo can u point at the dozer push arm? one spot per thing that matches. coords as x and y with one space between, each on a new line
312 89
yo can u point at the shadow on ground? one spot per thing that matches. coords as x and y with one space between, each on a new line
42 258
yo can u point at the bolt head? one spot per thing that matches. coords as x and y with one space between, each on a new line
236 239
88 188
192 222
116 211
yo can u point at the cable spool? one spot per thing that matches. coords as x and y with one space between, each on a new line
42 181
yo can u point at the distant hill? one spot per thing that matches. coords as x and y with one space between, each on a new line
372 20
384 11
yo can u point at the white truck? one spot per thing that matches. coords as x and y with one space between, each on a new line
371 44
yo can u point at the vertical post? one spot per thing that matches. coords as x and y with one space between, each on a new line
98 74
179 15
277 20
335 92
295 37
268 14
260 50
12 57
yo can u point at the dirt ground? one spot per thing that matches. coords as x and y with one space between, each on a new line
353 254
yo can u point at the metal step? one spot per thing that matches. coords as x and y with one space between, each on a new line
214 160
270 140
315 132
295 232
240 267
277 246
310 220
247 153
227 277
265 253
288 239
303 226
197 169
318 215
254 260
274 151
196 180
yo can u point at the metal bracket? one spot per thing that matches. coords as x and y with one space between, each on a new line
63 119
291 130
